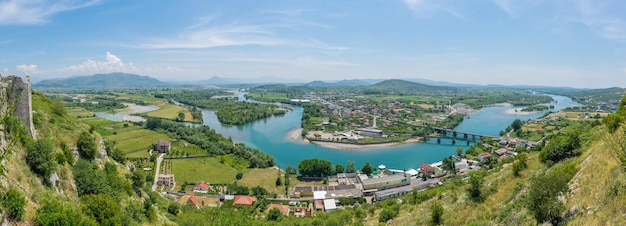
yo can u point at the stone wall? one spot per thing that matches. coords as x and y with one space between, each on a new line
17 96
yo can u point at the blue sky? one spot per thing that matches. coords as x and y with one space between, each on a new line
535 42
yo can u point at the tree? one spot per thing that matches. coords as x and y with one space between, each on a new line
90 180
459 151
87 147
259 191
291 170
13 201
138 178
239 175
367 168
181 117
436 213
350 167
279 182
315 168
104 209
448 165
173 208
339 168
612 122
543 201
57 107
40 159
476 182
561 147
517 124
274 215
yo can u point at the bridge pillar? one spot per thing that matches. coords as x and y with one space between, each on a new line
439 140
453 141
473 137
465 135
454 133
468 142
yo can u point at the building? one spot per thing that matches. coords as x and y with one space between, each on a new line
404 190
427 170
163 146
330 205
370 132
244 200
386 182
284 209
165 179
303 212
484 156
462 166
201 187
199 201
319 205
501 151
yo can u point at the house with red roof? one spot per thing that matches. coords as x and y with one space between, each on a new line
201 187
284 209
427 170
244 200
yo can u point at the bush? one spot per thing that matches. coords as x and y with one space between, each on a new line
104 209
274 215
173 208
87 147
40 159
544 190
436 213
239 176
13 201
56 212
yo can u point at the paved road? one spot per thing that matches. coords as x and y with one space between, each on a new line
156 173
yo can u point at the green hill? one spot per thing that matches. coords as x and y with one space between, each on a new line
397 86
111 80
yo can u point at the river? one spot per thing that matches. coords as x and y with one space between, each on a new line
271 135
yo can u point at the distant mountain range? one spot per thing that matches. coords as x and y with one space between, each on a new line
122 80
111 80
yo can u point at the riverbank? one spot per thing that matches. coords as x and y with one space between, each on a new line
348 146
295 134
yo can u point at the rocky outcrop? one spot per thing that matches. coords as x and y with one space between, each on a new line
16 96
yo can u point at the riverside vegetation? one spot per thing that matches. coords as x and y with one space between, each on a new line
583 166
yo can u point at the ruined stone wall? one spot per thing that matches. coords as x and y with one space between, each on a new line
18 96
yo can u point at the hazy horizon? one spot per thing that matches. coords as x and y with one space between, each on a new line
553 43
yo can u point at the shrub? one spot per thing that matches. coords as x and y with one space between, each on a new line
14 201
87 147
40 159
436 213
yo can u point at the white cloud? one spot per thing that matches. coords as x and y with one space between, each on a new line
111 64
29 69
505 5
234 35
27 12
427 8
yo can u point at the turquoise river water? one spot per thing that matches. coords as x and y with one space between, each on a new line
271 135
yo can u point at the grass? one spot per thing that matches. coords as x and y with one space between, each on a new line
192 170
133 140
266 178
169 111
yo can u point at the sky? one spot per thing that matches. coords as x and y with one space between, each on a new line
574 43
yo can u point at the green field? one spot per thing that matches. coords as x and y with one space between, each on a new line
192 170
169 111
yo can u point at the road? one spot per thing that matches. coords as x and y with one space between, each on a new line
156 173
